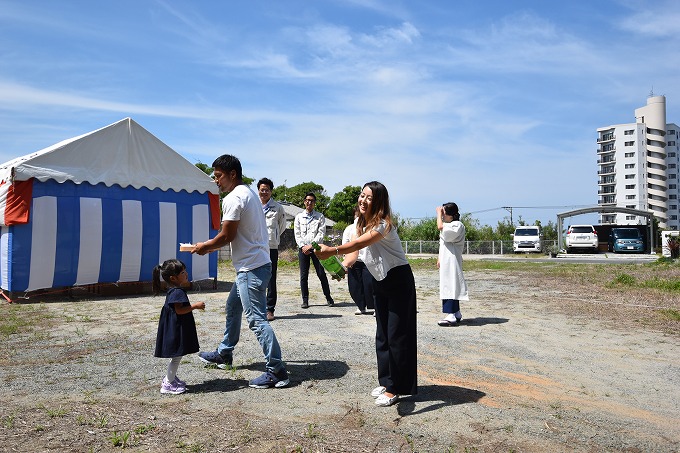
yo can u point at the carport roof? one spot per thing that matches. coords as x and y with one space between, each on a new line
605 210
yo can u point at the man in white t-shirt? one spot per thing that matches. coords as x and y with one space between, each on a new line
244 227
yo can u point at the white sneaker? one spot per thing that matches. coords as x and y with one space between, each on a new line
376 392
384 400
173 388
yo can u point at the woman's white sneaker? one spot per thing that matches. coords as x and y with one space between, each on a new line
376 392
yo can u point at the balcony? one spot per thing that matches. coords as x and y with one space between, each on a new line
606 149
606 138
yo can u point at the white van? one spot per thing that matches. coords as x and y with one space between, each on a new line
527 239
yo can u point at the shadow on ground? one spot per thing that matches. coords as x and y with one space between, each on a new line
440 396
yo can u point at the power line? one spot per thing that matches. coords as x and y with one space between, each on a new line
510 208
531 207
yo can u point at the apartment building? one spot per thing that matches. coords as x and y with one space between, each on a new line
639 166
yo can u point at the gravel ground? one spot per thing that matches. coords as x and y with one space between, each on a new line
540 363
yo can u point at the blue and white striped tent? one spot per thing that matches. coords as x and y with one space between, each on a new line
104 207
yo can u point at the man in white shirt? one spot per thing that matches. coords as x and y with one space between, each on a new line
244 227
275 217
310 226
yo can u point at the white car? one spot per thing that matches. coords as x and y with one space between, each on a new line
582 237
527 238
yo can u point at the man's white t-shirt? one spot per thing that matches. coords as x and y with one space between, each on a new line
250 247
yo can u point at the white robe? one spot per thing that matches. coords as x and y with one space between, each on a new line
451 280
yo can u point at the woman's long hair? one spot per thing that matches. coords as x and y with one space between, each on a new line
380 209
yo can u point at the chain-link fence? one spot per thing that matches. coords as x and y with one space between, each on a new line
432 248
470 247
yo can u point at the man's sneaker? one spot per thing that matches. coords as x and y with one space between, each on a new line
214 358
173 388
269 380
270 316
305 304
330 302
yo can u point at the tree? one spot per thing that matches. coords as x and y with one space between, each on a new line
471 227
423 230
550 231
295 195
505 229
209 171
427 230
204 168
341 206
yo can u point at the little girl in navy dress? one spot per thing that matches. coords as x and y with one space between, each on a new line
176 335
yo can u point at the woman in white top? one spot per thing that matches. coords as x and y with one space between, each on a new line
359 279
452 286
379 247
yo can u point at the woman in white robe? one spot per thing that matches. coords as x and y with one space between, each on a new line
452 285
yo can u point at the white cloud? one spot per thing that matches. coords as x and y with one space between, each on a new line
522 43
659 19
390 37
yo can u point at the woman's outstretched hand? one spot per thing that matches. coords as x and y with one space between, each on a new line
325 252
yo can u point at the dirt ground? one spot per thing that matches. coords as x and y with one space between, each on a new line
548 358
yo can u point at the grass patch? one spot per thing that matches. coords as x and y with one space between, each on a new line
623 280
12 323
423 263
671 314
671 285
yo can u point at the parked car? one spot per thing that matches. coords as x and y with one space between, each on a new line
626 240
581 237
527 239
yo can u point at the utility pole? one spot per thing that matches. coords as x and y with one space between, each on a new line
509 209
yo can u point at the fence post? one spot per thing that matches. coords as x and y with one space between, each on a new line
493 247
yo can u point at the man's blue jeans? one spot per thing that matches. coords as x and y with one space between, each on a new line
248 296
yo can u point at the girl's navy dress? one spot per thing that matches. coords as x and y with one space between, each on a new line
176 333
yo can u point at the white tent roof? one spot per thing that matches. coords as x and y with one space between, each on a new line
122 153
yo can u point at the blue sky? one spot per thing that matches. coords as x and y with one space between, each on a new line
486 103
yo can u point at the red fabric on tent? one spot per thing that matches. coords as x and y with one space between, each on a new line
215 216
18 206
